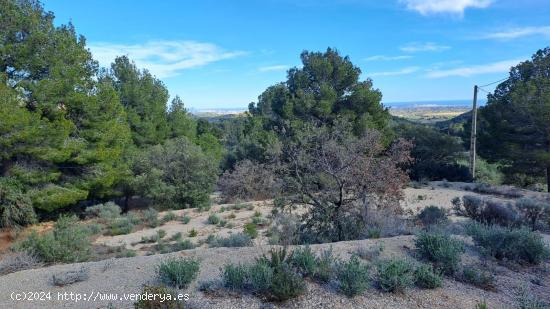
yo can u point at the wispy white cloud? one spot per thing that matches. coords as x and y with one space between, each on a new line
423 47
404 71
387 58
494 67
515 33
455 7
274 68
163 58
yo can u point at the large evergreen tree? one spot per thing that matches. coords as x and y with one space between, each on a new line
515 123
62 131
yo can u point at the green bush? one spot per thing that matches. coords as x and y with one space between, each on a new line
68 242
325 265
163 302
213 219
353 277
104 212
304 260
233 240
425 277
440 249
532 211
151 217
235 276
394 275
185 219
178 272
518 245
250 230
193 233
478 278
432 215
183 245
169 216
286 284
260 277
15 207
120 226
177 236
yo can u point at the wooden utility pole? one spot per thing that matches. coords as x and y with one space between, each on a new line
473 136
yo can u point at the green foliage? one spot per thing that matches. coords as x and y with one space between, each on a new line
517 245
185 219
193 233
435 153
478 278
234 276
440 249
395 275
233 240
121 226
520 99
432 215
286 284
213 219
250 230
151 217
533 211
15 207
68 242
178 272
166 299
180 122
177 174
353 277
104 212
260 277
425 277
304 260
169 216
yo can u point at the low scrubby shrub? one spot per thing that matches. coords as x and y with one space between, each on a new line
526 300
506 191
104 212
166 299
479 278
432 215
16 208
193 233
304 260
440 249
120 226
250 230
260 277
353 277
183 245
394 275
248 181
426 278
185 219
233 240
368 253
68 242
151 217
70 277
213 219
178 272
286 284
169 216
503 243
487 210
235 276
325 265
533 211
18 261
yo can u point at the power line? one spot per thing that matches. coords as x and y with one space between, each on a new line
498 81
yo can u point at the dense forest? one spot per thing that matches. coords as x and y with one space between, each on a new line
74 134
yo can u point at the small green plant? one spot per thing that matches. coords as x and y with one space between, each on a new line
222 223
183 245
286 284
233 240
257 214
234 276
176 237
526 300
353 277
193 233
374 233
185 219
120 226
304 260
325 266
68 242
250 230
260 277
151 217
482 305
518 245
394 275
426 278
478 278
169 216
178 272
440 249
213 219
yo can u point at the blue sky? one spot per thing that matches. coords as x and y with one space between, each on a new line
223 54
